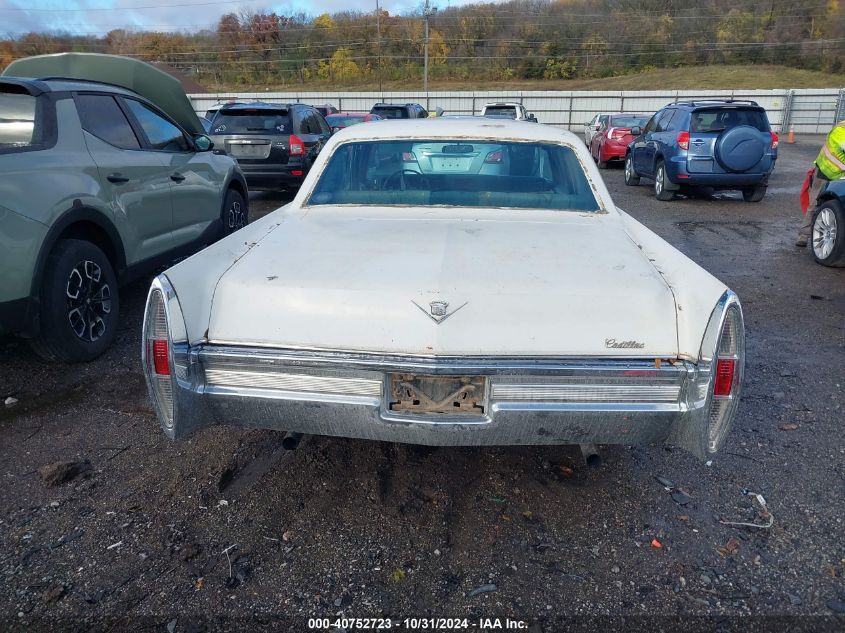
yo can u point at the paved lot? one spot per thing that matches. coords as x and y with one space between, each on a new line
225 531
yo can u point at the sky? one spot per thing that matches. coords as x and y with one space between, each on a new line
100 16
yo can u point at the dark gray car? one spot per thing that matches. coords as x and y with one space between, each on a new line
275 144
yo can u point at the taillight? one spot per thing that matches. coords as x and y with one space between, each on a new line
683 140
161 357
727 375
724 376
494 157
618 133
157 355
774 141
296 146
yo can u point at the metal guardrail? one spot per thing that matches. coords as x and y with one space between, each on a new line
806 110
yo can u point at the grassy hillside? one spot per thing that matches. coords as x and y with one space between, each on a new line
700 77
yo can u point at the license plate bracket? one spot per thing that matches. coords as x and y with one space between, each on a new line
412 393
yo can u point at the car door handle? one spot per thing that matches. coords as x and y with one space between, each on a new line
177 177
117 179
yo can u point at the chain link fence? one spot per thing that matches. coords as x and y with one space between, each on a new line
812 111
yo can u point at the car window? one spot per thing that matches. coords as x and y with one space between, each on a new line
392 112
423 112
325 130
455 173
652 123
252 121
502 111
344 120
603 118
677 121
720 119
17 120
161 133
664 120
101 116
628 121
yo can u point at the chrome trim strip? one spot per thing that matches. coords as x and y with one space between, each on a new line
289 382
586 393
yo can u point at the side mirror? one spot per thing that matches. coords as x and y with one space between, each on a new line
532 118
438 111
203 143
636 130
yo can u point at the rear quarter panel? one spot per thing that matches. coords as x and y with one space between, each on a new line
696 291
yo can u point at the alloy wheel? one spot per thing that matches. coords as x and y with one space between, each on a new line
824 233
88 300
235 216
629 169
658 181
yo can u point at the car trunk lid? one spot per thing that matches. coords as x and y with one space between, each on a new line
438 283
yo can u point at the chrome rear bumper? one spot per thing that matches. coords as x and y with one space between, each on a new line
527 401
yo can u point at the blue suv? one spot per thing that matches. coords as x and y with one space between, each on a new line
718 144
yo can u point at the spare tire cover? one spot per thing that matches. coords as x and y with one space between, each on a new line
740 148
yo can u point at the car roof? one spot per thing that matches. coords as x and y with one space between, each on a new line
348 113
63 84
456 127
715 103
503 103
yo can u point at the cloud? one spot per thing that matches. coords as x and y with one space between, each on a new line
84 17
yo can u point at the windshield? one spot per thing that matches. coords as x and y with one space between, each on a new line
17 120
455 173
501 111
344 120
629 120
720 119
387 112
251 121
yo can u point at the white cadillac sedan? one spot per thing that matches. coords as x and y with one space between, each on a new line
488 293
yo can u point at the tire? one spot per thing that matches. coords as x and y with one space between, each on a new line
661 192
827 240
235 212
601 163
631 177
754 194
77 328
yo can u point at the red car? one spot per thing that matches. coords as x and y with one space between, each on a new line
340 120
612 138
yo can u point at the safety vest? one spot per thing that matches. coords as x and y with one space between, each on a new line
831 160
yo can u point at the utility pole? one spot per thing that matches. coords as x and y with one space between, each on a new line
378 47
427 13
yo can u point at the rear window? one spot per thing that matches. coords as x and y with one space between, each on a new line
388 112
249 121
629 121
455 173
342 120
719 119
18 127
502 111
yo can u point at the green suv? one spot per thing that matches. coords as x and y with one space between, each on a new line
99 183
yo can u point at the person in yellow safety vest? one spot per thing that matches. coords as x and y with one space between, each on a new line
829 165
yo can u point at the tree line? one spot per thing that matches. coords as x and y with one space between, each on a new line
521 39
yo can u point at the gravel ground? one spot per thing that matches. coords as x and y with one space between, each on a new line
225 531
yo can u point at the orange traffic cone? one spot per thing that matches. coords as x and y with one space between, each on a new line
791 138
